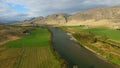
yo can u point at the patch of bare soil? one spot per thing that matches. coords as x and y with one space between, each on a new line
13 38
9 57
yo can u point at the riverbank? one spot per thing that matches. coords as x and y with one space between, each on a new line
87 47
103 47
74 53
63 62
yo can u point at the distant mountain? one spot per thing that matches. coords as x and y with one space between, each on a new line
56 19
53 19
8 22
93 17
112 14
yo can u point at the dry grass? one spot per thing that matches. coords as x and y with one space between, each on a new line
7 31
8 57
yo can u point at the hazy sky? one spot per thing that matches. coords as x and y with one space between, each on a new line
24 9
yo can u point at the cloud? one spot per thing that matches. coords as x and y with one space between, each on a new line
46 7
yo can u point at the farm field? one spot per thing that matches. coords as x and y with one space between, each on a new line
31 51
37 38
109 33
37 57
9 56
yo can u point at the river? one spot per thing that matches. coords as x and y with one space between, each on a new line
75 54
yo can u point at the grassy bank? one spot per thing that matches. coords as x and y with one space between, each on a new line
102 41
63 62
107 51
109 33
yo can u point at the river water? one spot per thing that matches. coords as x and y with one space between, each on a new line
75 54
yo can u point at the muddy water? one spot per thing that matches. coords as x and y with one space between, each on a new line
74 54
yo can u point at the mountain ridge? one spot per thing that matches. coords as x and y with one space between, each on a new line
93 17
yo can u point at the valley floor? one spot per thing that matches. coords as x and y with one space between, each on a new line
30 51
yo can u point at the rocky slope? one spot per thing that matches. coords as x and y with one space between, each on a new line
93 17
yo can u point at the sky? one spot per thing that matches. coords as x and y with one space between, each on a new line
17 10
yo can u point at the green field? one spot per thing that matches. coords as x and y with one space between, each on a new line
37 57
35 51
109 33
37 37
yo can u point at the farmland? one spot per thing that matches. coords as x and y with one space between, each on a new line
29 51
100 31
37 38
28 47
109 33
37 57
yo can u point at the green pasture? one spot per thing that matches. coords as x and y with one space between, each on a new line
37 37
109 33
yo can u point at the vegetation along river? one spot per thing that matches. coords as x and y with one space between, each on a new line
75 54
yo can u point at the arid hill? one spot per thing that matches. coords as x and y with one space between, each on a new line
93 17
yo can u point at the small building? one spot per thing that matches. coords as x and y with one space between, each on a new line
26 32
